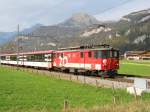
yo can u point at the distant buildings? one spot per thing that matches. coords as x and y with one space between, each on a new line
137 55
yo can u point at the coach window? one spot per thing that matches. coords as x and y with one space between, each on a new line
30 58
13 58
40 57
62 55
54 55
90 54
49 56
57 55
3 57
82 55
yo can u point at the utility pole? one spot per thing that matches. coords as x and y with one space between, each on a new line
18 46
0 54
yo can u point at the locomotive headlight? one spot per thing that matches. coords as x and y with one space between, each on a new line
105 62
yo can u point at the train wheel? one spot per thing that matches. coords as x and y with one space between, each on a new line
94 73
88 73
66 70
76 72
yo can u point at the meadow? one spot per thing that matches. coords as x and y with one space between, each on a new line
137 68
23 91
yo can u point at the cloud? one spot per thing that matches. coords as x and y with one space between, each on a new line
118 12
27 13
22 12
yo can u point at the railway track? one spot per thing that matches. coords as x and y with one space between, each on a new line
133 76
119 79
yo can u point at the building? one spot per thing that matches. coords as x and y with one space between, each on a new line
145 55
137 55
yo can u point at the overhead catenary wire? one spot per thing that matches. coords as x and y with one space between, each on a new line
113 7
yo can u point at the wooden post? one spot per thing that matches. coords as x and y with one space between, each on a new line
135 93
114 98
51 74
70 77
96 83
77 78
66 104
84 80
59 76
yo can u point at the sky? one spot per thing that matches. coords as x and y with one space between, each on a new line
48 12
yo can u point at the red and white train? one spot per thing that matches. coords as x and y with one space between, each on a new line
95 60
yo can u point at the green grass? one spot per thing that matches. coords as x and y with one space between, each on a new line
139 68
25 92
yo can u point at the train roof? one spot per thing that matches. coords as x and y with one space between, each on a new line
86 48
26 53
70 49
78 50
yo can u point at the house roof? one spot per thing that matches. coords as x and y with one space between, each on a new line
137 53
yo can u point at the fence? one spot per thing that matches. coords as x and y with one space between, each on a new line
94 81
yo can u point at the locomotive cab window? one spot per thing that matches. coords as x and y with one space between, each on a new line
102 54
82 55
106 54
97 54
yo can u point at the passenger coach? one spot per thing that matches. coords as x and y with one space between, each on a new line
37 59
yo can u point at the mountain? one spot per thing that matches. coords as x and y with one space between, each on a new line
137 17
8 36
131 32
54 36
69 28
137 29
80 20
31 29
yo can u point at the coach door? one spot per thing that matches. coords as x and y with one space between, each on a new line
62 60
48 59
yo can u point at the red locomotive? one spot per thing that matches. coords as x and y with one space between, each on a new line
100 60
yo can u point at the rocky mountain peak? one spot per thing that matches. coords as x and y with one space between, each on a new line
137 17
80 20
